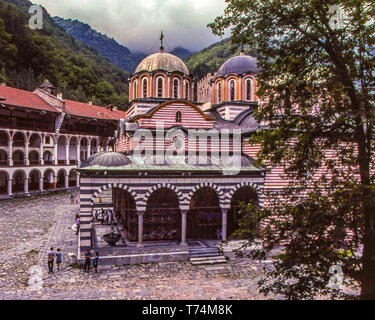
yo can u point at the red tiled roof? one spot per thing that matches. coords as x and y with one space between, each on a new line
31 100
81 109
22 98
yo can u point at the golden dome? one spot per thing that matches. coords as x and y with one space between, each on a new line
162 61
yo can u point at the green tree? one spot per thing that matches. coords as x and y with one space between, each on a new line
317 61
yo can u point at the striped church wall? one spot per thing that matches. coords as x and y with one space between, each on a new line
141 189
191 118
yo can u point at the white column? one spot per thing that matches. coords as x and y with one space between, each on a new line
66 181
140 230
224 223
78 153
10 181
78 177
27 161
67 153
26 185
183 226
41 183
41 160
55 154
10 153
89 150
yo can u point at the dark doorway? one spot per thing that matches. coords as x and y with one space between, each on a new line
237 211
204 216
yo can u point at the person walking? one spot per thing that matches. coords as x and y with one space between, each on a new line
87 261
51 258
58 258
95 262
78 223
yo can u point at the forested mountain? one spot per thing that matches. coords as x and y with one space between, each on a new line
211 58
27 57
107 47
182 53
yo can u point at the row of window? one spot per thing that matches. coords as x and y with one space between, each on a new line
160 88
232 90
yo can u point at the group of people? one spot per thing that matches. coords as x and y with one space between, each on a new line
95 260
51 259
103 216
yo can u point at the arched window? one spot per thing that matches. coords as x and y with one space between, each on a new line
187 89
232 88
135 94
144 88
178 116
160 87
219 92
248 89
175 88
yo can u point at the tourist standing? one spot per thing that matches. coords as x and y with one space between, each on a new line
87 261
58 258
95 262
71 199
51 258
78 223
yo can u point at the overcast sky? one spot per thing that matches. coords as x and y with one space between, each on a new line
137 23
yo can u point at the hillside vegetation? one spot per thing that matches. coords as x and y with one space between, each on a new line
27 57
211 58
118 54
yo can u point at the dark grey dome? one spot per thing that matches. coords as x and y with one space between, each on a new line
238 65
106 159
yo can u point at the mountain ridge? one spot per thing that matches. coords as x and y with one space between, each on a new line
28 57
108 47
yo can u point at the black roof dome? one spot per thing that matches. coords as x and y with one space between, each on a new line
106 159
238 65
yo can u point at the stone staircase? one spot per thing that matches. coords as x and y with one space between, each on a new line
205 255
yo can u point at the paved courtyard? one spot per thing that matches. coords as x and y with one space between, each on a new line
28 227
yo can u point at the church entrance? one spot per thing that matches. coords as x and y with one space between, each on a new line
162 219
126 212
204 216
238 211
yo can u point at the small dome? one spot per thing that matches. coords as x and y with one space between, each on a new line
162 61
238 65
106 159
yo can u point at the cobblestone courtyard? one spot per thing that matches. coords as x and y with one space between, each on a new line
28 227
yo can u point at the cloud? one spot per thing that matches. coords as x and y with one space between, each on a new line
137 23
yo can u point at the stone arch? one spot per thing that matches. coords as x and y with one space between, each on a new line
34 179
18 178
49 179
61 176
47 157
217 189
72 178
18 157
250 184
34 157
35 140
99 190
19 138
4 138
168 186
